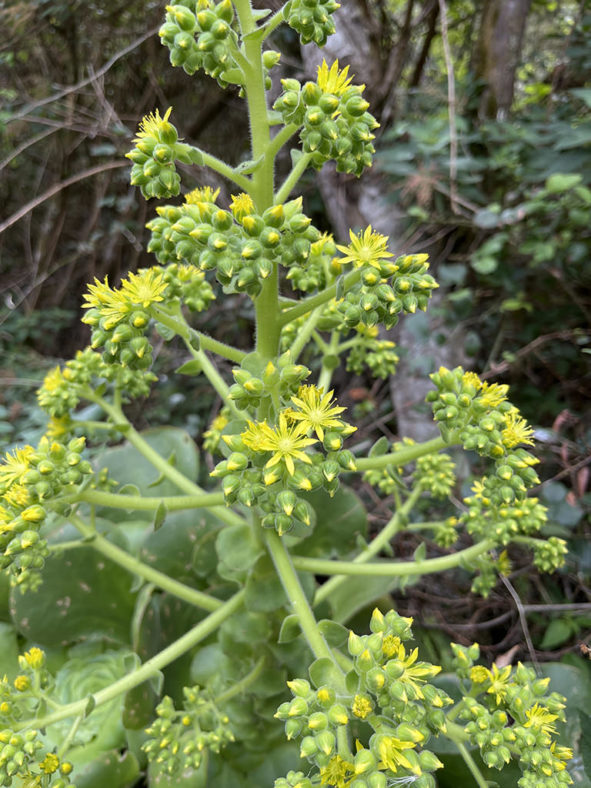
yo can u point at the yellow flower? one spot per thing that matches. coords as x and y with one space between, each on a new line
139 290
241 205
391 751
203 194
144 288
498 681
50 764
492 394
367 248
516 430
58 427
362 706
337 773
34 658
15 466
152 125
542 718
472 379
22 683
332 80
315 411
285 441
18 496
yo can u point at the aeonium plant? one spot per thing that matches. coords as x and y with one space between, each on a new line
177 635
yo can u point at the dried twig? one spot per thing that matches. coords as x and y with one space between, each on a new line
451 109
57 187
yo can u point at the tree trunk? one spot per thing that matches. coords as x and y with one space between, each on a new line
497 54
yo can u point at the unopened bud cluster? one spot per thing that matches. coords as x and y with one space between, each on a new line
199 35
334 118
377 355
29 478
63 388
386 290
156 148
435 474
510 714
178 739
240 245
312 19
387 691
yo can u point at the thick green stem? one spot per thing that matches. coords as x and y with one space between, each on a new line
148 670
308 304
139 503
375 546
137 567
402 456
295 593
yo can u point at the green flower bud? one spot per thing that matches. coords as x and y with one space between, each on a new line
325 742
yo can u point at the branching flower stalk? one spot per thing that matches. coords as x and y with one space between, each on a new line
247 543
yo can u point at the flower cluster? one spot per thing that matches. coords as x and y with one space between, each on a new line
178 739
20 753
386 288
435 474
119 318
312 19
200 36
378 355
480 416
63 388
388 706
319 269
254 387
153 156
240 245
269 464
509 713
28 479
333 114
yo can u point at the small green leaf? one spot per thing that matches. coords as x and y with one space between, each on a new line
484 265
420 553
165 332
192 367
160 515
558 632
237 549
90 705
250 166
196 156
562 182
290 629
380 447
334 633
323 671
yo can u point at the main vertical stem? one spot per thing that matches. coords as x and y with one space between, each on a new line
267 303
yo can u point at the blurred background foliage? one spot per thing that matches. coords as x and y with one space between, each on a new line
484 161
